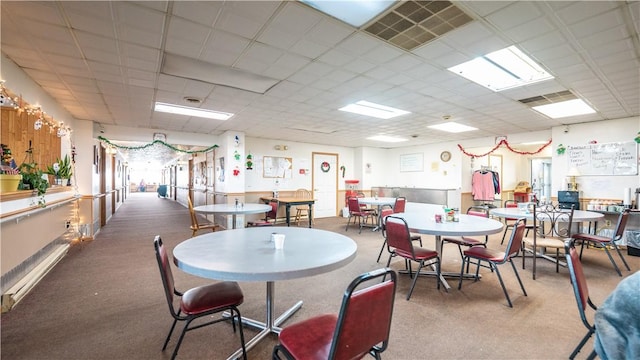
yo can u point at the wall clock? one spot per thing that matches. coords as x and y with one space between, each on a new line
445 156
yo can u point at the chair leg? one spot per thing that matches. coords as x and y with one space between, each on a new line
384 244
173 326
615 246
515 271
415 279
464 259
615 266
504 234
504 289
581 344
184 330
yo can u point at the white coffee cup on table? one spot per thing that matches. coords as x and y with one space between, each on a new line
278 241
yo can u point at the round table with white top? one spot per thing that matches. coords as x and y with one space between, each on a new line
232 209
468 225
379 202
249 255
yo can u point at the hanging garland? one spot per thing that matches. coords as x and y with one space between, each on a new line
142 147
325 167
506 144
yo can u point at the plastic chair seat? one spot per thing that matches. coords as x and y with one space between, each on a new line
310 339
211 297
420 254
485 254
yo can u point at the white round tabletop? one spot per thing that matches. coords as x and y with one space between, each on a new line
249 255
469 225
514 212
377 201
232 209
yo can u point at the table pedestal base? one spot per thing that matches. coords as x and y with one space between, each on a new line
270 327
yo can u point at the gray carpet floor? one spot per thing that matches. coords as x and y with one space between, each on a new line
104 300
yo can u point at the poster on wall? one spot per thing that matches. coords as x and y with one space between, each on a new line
618 158
221 171
277 167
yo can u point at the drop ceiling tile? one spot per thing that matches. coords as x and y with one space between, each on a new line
597 24
278 38
383 54
296 18
514 14
184 30
531 29
577 12
224 49
184 48
336 58
285 66
308 49
41 11
329 32
603 38
359 44
201 12
138 17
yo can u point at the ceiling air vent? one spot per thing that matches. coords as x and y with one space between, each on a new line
413 23
550 98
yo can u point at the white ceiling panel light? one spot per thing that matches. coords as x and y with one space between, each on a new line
191 111
503 69
452 127
355 13
565 109
372 109
195 69
387 138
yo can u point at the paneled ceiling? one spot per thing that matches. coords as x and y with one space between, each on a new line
103 61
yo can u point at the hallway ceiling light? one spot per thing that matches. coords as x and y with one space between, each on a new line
503 69
386 138
191 111
452 127
356 13
564 109
372 109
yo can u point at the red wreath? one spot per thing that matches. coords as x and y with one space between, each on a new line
325 166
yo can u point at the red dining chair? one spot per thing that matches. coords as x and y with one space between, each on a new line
356 212
581 292
199 302
362 327
605 242
383 215
399 244
508 222
481 211
496 257
399 207
272 214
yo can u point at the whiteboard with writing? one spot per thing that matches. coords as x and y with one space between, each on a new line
619 158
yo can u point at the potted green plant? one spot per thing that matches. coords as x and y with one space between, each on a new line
32 179
9 173
61 169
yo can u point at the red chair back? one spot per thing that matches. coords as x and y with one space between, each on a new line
364 321
478 211
622 224
354 205
165 272
515 242
273 214
578 280
400 204
398 235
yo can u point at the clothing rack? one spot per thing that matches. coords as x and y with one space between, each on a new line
485 184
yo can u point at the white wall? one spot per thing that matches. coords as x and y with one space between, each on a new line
301 155
607 187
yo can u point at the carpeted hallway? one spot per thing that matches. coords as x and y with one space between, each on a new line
104 300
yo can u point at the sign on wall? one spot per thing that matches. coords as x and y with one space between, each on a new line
618 158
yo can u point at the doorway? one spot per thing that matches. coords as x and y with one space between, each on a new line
541 178
325 184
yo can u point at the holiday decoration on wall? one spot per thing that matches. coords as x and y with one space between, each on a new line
637 139
561 149
160 142
249 162
325 167
236 171
236 155
506 144
342 168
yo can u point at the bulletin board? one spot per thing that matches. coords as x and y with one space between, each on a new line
412 162
618 158
277 167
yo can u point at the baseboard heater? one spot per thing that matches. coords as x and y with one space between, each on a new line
22 287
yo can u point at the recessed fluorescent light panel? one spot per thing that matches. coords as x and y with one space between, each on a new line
503 69
355 13
452 127
373 109
386 138
191 111
564 109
